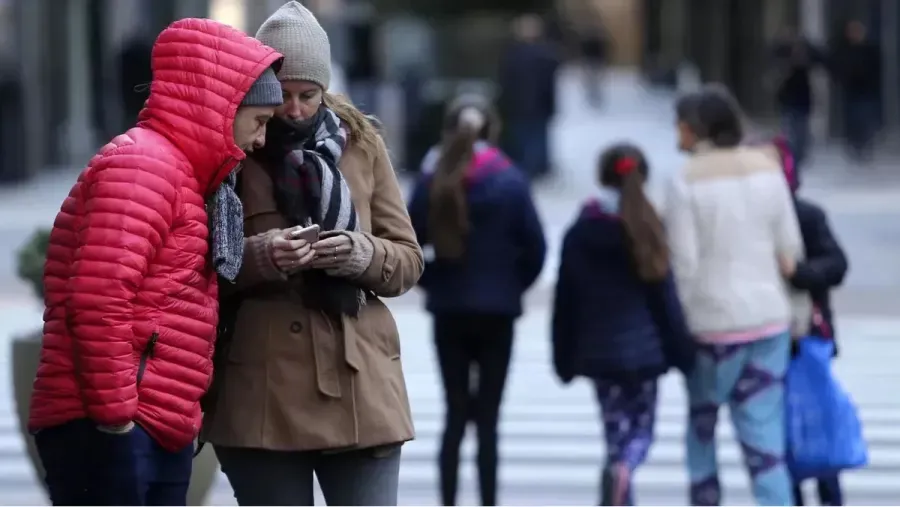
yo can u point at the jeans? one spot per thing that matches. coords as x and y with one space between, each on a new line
861 124
85 466
795 125
531 146
357 477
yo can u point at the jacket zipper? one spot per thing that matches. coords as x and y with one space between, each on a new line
146 355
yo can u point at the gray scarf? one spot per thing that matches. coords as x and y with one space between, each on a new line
226 229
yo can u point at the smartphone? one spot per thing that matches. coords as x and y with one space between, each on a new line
310 234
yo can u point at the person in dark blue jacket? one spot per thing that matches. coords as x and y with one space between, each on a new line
823 269
484 247
616 319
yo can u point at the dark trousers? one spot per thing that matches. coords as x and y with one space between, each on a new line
85 466
265 477
530 139
861 125
829 492
796 127
465 341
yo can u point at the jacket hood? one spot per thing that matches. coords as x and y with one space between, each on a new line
202 69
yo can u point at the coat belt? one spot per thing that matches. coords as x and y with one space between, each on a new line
328 337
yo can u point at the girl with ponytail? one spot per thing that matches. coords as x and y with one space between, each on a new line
616 316
484 247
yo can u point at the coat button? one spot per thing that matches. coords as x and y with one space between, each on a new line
296 327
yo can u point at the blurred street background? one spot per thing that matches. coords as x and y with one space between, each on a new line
67 73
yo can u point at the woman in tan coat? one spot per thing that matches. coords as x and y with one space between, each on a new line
308 375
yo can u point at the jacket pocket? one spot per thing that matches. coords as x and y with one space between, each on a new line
382 328
146 355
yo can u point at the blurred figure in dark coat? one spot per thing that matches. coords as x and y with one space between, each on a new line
134 75
794 60
528 94
858 70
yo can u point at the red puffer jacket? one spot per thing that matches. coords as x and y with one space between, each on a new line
131 295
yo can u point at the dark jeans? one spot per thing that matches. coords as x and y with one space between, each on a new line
829 492
85 466
464 341
795 126
264 477
861 125
531 145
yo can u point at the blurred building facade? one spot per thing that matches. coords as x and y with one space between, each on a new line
61 73
730 41
62 61
61 76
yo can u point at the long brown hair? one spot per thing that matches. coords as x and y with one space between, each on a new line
362 129
623 167
448 213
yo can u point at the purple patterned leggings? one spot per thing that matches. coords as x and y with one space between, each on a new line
629 413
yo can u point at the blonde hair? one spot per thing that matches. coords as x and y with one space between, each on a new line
361 128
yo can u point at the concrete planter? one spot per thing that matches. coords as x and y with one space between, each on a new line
26 352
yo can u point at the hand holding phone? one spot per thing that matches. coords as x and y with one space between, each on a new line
309 234
292 249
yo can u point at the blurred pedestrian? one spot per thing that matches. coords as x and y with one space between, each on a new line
14 163
733 234
616 316
823 269
858 70
134 74
595 47
795 58
472 210
131 275
528 94
308 374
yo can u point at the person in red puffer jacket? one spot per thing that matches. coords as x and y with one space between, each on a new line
131 274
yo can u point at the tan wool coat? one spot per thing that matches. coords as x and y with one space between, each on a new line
294 379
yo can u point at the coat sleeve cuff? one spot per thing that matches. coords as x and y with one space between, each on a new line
360 257
260 249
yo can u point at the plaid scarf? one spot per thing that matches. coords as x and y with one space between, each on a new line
302 159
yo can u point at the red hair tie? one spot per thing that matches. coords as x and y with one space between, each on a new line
625 166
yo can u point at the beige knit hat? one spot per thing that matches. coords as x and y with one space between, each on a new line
294 32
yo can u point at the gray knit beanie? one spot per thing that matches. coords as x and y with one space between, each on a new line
294 32
265 91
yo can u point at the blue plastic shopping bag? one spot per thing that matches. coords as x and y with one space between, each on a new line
824 432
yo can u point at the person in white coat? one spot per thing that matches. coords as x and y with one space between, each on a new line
734 238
